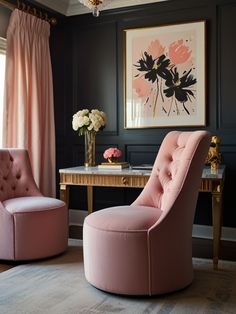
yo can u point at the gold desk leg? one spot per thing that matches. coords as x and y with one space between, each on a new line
217 221
90 199
64 193
64 196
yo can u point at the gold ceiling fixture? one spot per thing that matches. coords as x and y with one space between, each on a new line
94 5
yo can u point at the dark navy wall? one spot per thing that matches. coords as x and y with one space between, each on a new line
88 67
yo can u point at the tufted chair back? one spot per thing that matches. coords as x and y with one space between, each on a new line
179 153
16 179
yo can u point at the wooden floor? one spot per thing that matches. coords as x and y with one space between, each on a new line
4 267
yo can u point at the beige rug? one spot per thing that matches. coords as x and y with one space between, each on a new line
58 286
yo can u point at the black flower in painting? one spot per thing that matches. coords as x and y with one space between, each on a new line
178 85
153 67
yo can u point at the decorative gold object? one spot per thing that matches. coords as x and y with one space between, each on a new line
112 160
90 139
214 157
95 2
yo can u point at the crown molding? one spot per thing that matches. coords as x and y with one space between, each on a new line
74 7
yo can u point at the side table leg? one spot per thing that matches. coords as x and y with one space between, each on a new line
64 196
64 193
90 199
217 222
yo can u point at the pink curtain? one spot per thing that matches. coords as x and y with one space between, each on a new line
29 110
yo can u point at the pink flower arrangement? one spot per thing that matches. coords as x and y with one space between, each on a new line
111 153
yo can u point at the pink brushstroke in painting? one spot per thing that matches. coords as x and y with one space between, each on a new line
164 76
178 52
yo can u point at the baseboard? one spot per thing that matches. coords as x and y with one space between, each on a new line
76 218
203 248
206 232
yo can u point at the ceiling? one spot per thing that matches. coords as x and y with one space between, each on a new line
74 7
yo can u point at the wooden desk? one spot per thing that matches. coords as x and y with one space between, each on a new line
128 178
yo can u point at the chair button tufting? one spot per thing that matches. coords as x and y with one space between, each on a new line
18 176
11 158
27 189
13 188
5 178
1 188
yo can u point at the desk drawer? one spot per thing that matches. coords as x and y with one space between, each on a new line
104 180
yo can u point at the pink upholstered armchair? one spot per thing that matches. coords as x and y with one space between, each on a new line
146 248
31 226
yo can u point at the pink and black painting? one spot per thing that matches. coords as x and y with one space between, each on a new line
165 76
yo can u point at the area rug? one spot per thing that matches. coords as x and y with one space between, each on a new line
58 285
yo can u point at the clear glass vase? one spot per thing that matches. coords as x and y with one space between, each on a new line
90 141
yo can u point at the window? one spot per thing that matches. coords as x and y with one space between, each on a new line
2 79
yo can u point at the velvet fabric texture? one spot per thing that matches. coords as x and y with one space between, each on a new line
29 109
31 226
146 248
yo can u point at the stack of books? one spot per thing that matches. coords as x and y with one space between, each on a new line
113 165
143 167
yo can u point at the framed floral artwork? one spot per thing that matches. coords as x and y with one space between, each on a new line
165 82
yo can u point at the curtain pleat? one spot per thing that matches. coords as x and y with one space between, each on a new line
29 108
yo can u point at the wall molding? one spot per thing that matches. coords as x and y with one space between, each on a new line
100 44
226 12
205 232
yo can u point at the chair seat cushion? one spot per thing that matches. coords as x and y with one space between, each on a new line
124 218
31 204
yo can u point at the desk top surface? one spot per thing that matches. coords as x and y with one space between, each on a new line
95 170
206 174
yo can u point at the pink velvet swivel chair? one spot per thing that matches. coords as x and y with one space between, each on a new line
31 226
146 248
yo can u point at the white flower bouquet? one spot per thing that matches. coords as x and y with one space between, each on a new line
85 120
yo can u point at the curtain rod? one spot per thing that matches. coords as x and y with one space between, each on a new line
29 9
